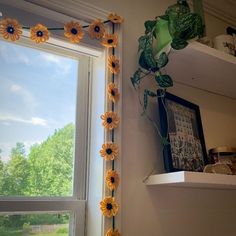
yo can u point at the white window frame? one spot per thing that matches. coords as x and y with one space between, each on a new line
84 12
75 204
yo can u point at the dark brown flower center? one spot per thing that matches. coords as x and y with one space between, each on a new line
10 30
113 64
112 179
109 206
74 31
109 120
97 29
39 33
109 151
113 93
110 41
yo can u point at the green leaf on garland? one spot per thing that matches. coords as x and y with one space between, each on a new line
178 43
149 25
147 93
163 60
164 81
136 78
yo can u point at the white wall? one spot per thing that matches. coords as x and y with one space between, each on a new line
148 211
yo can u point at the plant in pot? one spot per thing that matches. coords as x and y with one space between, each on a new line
169 31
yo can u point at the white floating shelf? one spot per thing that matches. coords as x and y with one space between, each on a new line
204 67
193 179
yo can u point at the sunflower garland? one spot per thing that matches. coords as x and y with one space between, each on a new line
109 207
110 40
39 33
113 64
110 120
113 93
73 31
109 151
112 232
114 18
96 29
112 180
10 29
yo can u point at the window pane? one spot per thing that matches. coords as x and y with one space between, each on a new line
37 121
35 224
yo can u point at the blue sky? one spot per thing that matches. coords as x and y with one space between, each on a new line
37 95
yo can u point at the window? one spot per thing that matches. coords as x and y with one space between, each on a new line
44 100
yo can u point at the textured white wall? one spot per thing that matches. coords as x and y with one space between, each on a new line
151 211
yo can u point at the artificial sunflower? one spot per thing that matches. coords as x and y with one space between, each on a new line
113 93
113 64
109 151
109 206
114 18
110 40
112 180
110 120
10 29
112 232
96 29
39 33
73 31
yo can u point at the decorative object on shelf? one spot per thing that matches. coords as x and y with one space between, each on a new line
223 159
231 31
11 29
224 43
171 30
181 124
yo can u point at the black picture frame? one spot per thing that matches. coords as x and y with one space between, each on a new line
181 125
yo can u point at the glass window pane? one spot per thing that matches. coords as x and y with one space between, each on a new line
37 121
35 224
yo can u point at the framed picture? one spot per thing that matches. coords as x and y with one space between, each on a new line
181 125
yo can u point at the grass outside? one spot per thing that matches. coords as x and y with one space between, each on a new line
21 233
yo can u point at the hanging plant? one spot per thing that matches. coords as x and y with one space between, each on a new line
169 31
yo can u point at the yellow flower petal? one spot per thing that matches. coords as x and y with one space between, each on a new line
109 151
109 207
73 31
96 29
110 120
113 64
110 40
10 29
39 33
113 93
114 18
112 180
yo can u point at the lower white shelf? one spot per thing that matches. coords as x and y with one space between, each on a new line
193 180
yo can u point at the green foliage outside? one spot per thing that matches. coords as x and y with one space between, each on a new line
46 171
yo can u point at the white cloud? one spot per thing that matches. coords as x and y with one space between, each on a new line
12 55
62 65
15 88
33 121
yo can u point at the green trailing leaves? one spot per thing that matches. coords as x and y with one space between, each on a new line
149 26
164 17
145 42
135 79
164 81
178 43
189 26
162 60
147 93
147 60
